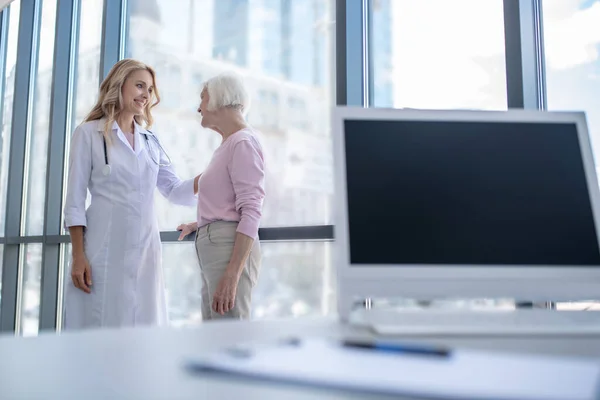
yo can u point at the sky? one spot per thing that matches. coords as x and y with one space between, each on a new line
572 44
450 54
571 32
13 26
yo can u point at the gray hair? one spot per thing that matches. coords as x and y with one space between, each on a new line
227 90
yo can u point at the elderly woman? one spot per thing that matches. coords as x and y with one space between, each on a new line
230 198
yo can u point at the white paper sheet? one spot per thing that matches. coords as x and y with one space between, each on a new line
465 374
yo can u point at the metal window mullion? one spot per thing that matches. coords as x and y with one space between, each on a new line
113 32
5 276
124 32
367 31
16 240
4 23
63 71
540 55
524 54
278 234
351 53
26 63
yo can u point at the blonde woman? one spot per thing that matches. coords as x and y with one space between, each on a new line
230 199
116 274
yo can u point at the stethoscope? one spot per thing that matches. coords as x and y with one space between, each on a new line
106 169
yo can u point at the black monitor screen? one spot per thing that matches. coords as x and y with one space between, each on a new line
492 193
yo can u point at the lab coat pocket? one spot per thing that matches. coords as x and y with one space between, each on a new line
96 235
94 244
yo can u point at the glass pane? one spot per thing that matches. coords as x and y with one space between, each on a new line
7 104
183 283
38 152
296 279
572 45
64 277
283 48
88 58
1 263
30 293
87 73
438 54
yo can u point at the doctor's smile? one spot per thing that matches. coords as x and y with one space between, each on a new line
140 103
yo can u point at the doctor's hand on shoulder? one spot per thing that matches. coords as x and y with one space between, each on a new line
81 273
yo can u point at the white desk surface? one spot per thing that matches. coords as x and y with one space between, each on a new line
147 363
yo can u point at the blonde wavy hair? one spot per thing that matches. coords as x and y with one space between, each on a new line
110 98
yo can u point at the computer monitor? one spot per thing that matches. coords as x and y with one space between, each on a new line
470 204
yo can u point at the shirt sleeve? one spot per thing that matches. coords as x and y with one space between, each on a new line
80 171
247 172
174 189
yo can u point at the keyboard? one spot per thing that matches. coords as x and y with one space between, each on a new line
477 322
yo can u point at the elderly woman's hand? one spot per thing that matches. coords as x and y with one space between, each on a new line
186 229
224 296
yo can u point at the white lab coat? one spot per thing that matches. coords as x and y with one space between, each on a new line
121 239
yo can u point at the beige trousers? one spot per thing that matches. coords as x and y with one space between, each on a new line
214 246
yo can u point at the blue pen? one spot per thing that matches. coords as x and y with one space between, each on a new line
397 348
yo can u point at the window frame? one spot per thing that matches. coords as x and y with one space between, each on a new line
353 86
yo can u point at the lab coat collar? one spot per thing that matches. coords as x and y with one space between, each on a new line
115 126
101 123
141 130
138 131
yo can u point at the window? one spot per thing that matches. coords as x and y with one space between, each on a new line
171 93
7 103
438 54
88 59
194 88
298 113
572 47
283 51
230 39
30 295
64 279
155 36
270 20
35 181
1 263
296 279
268 101
88 62
38 151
